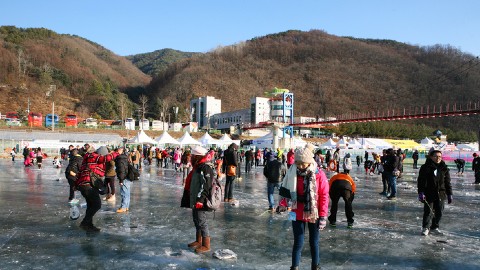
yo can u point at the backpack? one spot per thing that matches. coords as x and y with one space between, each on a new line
134 156
215 194
133 174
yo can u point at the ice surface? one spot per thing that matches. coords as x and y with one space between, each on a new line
37 233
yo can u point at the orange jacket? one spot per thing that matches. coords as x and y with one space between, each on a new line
343 177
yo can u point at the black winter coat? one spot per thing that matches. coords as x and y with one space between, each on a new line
434 185
74 165
229 158
121 167
274 171
390 164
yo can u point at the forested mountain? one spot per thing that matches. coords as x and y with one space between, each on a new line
329 75
155 62
89 79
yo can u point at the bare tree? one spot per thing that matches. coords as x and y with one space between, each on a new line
143 105
123 106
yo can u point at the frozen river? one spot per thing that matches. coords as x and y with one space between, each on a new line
36 232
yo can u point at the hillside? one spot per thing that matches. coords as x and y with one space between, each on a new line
89 79
329 75
155 62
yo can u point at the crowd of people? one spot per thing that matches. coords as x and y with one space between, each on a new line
300 176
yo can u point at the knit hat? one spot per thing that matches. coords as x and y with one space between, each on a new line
102 150
199 151
304 155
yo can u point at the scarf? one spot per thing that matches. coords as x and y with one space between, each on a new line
310 211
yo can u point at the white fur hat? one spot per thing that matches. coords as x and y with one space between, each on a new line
199 151
304 155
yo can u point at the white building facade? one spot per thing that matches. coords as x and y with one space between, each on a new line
203 108
259 110
226 120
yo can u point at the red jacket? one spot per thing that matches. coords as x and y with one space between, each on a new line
290 157
95 163
322 192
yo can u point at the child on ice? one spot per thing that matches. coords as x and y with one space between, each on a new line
56 162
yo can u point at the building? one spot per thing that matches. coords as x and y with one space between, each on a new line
281 104
226 120
304 120
202 108
259 110
277 107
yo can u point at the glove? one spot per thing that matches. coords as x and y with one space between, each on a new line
421 196
322 223
449 199
199 205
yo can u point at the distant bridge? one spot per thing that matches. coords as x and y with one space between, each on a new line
448 110
402 114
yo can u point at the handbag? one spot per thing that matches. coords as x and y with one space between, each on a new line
98 182
284 192
231 170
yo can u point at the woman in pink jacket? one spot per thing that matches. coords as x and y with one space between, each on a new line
308 186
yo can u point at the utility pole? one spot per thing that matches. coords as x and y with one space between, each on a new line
51 93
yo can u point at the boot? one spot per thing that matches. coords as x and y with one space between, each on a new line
205 245
197 243
316 267
294 268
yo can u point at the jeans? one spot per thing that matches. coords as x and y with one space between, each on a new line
432 220
270 189
71 182
110 183
392 181
386 185
186 171
125 193
229 187
299 235
200 221
248 166
94 203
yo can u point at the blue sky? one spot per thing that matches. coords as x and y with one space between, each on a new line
130 27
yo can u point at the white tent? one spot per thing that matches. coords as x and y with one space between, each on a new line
330 144
342 144
267 141
427 141
165 138
354 144
142 138
206 139
374 143
264 141
299 142
186 139
226 140
468 146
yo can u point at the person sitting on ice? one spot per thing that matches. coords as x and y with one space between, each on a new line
56 162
